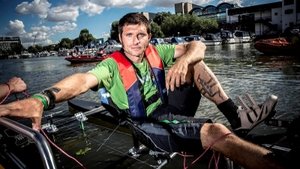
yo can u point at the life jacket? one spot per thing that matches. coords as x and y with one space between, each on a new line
137 106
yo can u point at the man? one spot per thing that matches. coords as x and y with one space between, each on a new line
14 85
134 79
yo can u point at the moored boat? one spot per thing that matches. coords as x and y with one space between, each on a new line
83 58
276 46
81 55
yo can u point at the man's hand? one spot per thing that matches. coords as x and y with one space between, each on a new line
186 56
178 74
28 108
16 84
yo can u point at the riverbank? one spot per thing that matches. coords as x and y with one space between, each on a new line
239 68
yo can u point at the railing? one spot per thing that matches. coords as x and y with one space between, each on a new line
40 141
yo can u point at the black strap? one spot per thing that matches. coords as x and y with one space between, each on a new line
152 99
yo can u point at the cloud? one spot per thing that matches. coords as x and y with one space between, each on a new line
70 10
63 13
237 2
16 28
64 26
170 3
143 3
38 7
38 34
87 6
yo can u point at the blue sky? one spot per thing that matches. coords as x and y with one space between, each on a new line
48 21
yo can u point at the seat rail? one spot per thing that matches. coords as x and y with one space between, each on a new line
39 140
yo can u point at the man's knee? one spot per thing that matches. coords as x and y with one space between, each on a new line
210 132
215 128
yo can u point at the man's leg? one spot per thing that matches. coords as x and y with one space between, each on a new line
251 156
247 117
180 98
210 87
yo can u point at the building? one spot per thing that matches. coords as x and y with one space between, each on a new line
9 45
262 19
148 15
218 12
7 42
268 18
290 13
184 7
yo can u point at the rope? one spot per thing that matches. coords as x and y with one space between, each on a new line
108 137
201 155
8 93
61 150
216 159
42 131
116 150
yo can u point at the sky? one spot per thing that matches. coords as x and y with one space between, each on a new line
46 22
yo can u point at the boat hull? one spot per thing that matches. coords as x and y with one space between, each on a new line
83 60
276 46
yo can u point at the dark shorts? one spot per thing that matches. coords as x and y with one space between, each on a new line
171 132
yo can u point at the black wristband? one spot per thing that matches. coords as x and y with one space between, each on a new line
49 93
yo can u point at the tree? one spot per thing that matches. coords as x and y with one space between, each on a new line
184 25
156 31
160 17
65 43
84 38
114 31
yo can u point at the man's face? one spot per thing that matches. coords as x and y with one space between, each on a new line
135 40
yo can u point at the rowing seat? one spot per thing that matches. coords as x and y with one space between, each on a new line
180 98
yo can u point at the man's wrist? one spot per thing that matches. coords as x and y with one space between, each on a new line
43 99
49 93
47 97
9 88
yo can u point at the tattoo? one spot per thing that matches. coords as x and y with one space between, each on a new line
54 89
208 85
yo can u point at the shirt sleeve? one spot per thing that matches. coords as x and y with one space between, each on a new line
166 52
102 71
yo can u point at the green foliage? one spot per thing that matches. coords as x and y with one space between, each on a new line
85 37
65 43
114 31
183 25
160 17
156 31
35 49
167 24
164 25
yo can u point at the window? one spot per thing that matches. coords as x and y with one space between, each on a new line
288 11
288 2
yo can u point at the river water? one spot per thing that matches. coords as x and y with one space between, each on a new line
239 67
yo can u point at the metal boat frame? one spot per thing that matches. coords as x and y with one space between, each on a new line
39 140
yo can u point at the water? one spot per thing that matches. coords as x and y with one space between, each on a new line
239 68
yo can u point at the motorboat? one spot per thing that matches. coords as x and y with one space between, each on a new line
237 36
277 46
84 55
211 39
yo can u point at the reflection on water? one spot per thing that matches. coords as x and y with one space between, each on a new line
239 67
